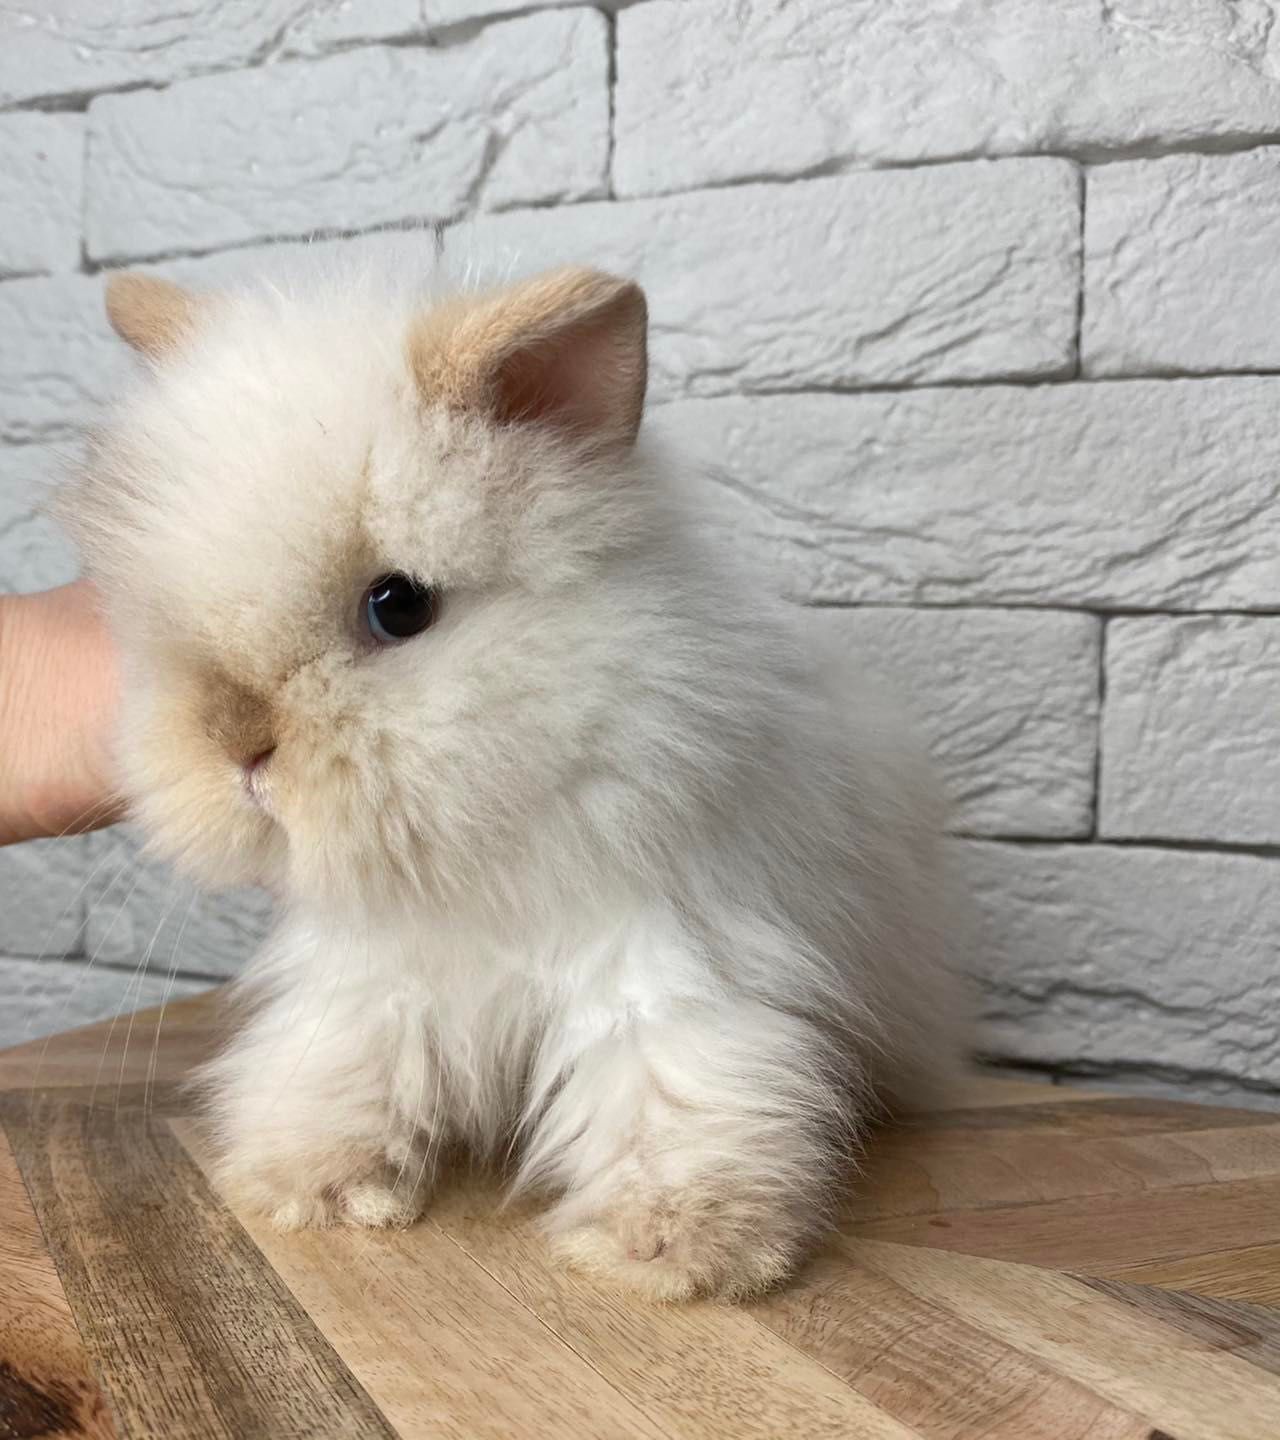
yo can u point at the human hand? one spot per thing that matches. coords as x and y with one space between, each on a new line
58 692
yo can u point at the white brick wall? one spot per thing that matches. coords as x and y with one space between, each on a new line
1005 423
967 272
1181 264
41 179
1189 743
377 135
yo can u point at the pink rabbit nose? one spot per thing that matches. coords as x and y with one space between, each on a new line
253 771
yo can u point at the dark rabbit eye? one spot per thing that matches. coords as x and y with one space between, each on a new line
397 607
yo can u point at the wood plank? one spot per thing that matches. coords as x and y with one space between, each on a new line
930 1368
1251 1272
1177 1382
162 1046
1101 1115
439 1345
161 1098
466 1326
1098 1233
925 1170
1250 1332
701 1370
984 1088
47 1386
189 1329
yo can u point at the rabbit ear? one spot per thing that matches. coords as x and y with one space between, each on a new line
154 316
567 350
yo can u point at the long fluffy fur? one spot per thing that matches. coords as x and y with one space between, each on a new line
606 868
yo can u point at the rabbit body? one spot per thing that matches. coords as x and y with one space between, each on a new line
604 871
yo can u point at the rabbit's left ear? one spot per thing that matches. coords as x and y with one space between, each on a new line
155 316
566 350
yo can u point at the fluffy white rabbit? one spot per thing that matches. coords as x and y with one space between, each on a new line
581 855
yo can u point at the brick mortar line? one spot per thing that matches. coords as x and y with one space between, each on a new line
84 203
1083 200
92 265
1150 844
825 171
269 52
1173 1076
611 22
74 961
1051 607
1103 636
1085 156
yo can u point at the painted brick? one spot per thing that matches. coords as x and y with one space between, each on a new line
1127 496
1128 956
41 887
76 47
1191 732
953 273
518 115
1151 494
34 554
41 193
346 22
982 285
1007 699
319 28
138 912
60 363
1180 271
58 359
47 997
969 271
439 14
877 81
293 264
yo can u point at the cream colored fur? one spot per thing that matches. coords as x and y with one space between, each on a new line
605 870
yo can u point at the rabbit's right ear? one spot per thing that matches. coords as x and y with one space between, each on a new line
565 350
154 316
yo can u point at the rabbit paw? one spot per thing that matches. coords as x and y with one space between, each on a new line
678 1247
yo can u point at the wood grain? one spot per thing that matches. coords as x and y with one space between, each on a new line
929 1368
925 1170
695 1370
1177 1382
1250 1273
46 1384
1026 1263
1251 1332
1099 1232
190 1330
1104 1115
994 1089
442 1348
162 1046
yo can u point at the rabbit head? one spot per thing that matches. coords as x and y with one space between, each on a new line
377 574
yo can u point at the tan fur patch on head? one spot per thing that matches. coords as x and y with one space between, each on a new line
154 316
567 349
237 719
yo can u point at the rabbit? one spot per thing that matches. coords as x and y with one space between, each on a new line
584 858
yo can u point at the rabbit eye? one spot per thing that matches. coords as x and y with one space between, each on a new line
397 607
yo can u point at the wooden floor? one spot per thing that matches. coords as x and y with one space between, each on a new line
1031 1263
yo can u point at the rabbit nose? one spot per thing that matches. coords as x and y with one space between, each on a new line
259 760
253 772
